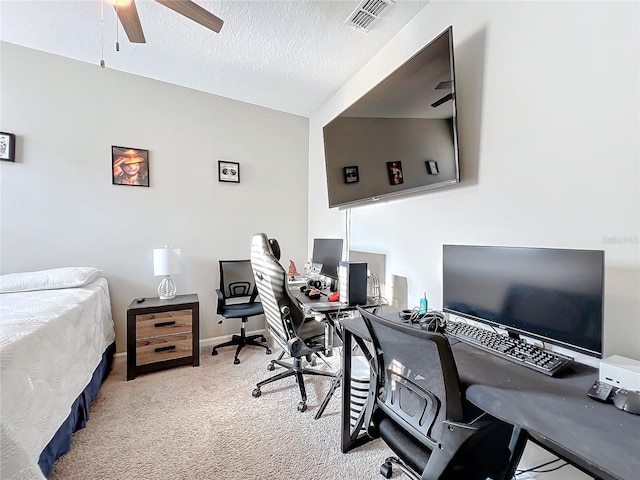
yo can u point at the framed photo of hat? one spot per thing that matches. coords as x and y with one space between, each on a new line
130 166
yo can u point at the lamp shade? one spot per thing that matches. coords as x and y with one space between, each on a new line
166 261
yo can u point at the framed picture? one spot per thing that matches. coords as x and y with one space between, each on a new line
351 174
7 147
228 172
129 166
395 173
432 167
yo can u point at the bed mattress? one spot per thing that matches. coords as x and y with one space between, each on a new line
51 341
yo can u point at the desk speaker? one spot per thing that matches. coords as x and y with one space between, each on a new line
353 282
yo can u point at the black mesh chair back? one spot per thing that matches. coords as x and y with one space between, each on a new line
287 324
237 298
417 407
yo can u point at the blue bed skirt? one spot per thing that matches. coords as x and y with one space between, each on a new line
77 419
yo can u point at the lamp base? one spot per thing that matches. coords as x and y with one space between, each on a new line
167 289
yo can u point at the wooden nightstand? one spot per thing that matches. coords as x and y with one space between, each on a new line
162 334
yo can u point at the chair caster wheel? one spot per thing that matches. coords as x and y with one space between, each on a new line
386 470
214 352
269 352
256 393
236 361
271 367
302 406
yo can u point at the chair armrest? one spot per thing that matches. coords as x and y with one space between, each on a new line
221 303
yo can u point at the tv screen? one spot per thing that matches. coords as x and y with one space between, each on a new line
328 253
401 137
554 295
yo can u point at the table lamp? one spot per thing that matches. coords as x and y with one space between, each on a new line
166 261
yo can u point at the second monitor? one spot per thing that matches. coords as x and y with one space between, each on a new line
327 252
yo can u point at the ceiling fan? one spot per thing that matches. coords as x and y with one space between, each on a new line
128 15
442 86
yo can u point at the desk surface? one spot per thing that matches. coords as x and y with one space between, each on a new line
323 305
555 411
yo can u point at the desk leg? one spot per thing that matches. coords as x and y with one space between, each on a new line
516 447
352 434
334 385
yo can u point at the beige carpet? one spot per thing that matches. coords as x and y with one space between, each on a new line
203 423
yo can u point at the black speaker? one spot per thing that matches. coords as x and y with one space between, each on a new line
353 282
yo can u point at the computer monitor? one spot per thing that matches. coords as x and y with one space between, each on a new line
328 253
553 295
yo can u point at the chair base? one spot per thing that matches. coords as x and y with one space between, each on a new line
292 369
241 341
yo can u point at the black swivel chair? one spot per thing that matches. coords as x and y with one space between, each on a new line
416 406
298 336
237 283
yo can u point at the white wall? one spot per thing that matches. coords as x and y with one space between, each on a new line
59 207
548 104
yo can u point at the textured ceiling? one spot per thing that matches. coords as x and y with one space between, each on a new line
291 56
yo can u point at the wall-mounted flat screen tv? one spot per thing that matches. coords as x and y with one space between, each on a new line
400 137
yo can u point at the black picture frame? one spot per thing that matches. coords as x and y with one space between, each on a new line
129 166
351 174
7 147
432 167
394 169
228 171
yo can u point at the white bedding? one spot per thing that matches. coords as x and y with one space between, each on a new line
51 341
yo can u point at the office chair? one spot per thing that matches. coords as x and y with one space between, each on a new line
237 283
416 406
298 336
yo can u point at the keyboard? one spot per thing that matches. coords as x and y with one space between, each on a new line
512 349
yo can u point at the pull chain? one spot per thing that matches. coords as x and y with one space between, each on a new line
102 33
117 29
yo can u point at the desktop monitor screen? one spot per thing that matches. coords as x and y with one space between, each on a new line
553 295
328 253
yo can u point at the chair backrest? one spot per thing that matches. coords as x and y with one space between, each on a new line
237 280
416 377
271 280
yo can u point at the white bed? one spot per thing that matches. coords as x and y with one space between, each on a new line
55 326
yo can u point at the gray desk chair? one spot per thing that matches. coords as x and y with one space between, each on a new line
237 299
416 405
298 336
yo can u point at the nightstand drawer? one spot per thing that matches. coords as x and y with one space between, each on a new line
158 349
164 323
162 333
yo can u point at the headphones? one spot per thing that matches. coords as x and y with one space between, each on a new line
314 284
432 321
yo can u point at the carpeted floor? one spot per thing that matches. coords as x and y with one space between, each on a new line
203 423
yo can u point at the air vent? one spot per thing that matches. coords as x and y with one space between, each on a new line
366 12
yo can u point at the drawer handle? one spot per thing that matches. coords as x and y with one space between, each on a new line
165 324
164 349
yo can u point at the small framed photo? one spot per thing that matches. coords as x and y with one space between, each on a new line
228 172
432 167
351 174
395 173
130 166
7 147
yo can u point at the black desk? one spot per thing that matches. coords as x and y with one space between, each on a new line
555 412
331 312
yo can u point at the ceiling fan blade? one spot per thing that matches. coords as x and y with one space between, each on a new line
128 15
195 12
443 85
444 99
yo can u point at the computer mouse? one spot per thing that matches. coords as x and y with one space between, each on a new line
334 296
627 401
